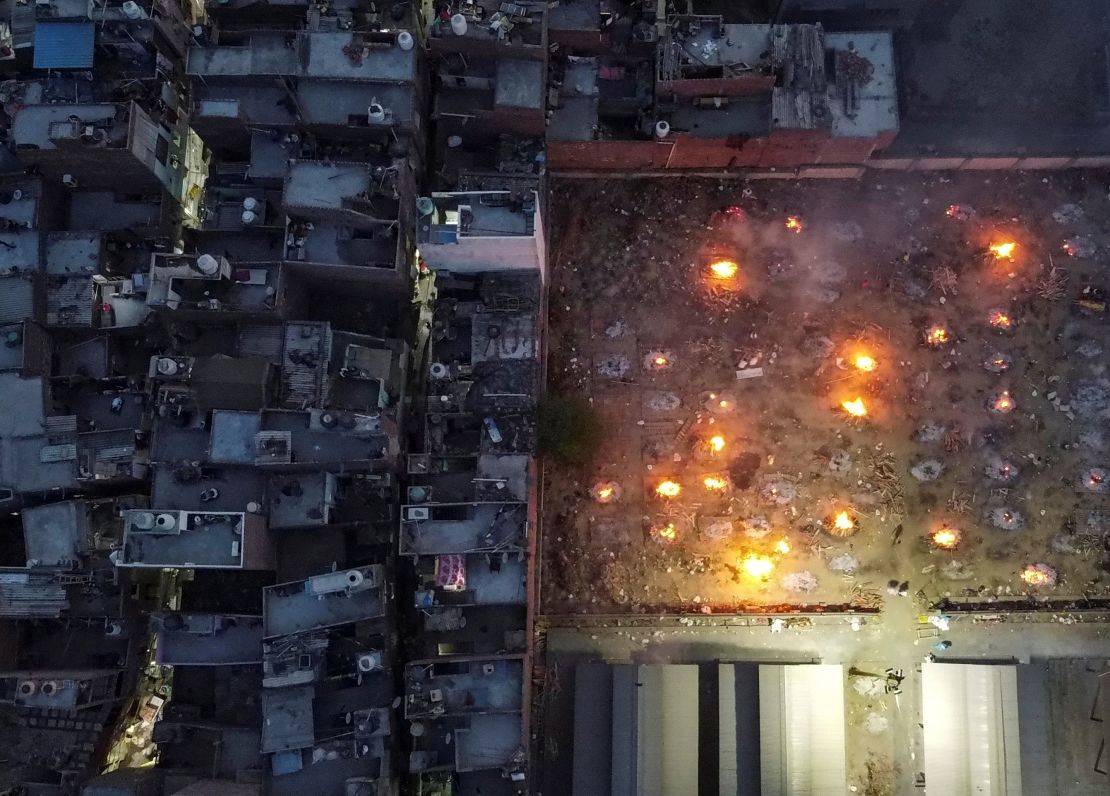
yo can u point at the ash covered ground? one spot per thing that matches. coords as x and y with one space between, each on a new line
992 428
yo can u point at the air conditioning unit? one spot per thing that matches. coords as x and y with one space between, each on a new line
416 513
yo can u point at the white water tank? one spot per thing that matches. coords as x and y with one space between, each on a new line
458 25
250 203
142 520
254 507
133 10
439 370
376 112
369 661
167 366
248 217
208 265
662 129
404 40
334 582
165 522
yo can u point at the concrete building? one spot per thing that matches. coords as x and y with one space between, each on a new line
474 706
104 145
723 96
188 540
482 231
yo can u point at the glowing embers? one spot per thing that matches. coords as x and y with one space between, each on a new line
946 538
723 269
665 532
1003 250
1001 320
794 224
720 404
606 492
1095 479
841 523
1002 403
1040 576
1001 470
998 362
757 566
668 489
658 360
1006 519
854 408
716 483
937 336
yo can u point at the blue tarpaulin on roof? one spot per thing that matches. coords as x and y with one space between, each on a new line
64 45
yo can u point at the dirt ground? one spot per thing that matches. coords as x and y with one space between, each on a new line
672 354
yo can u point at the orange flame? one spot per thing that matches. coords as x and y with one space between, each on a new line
1004 250
668 533
946 538
843 521
660 361
936 336
855 408
758 566
794 224
668 489
1004 403
714 483
1001 320
716 443
1069 248
865 362
604 493
782 546
1035 576
723 269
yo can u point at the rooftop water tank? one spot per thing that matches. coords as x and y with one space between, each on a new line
133 10
142 520
208 265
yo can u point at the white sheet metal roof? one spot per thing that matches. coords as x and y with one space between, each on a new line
971 729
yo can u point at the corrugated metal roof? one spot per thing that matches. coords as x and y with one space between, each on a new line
34 594
69 301
64 45
17 299
23 25
261 341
